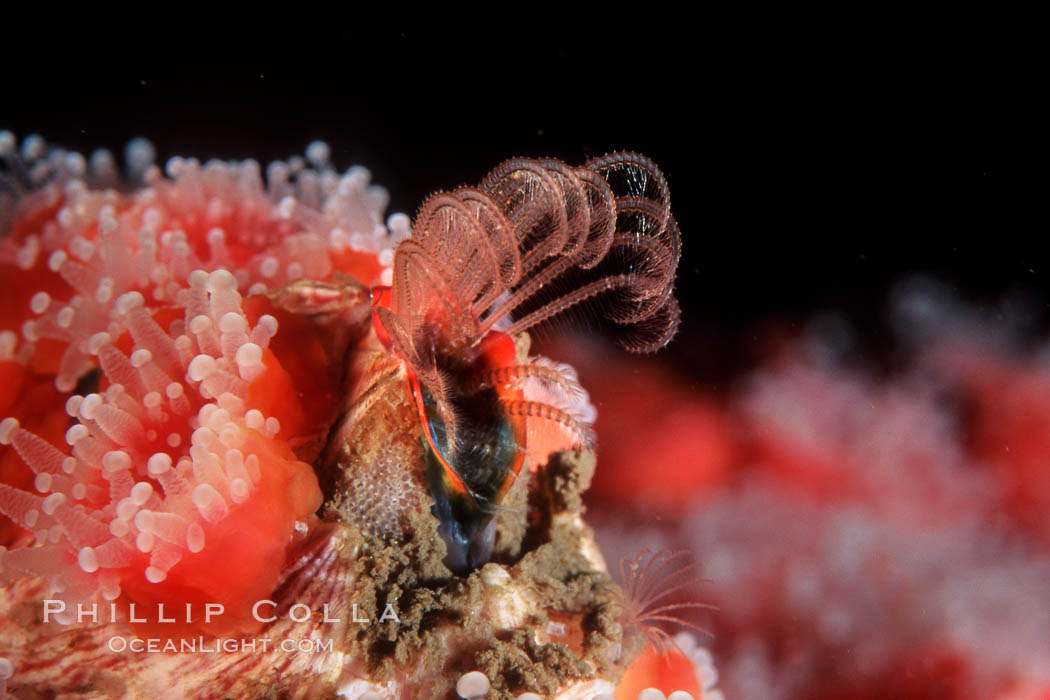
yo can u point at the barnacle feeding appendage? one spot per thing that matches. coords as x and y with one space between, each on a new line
651 584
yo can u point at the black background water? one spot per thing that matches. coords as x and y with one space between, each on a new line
810 167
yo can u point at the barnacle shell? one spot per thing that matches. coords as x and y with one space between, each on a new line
369 472
81 658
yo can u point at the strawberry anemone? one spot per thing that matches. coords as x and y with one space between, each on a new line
159 402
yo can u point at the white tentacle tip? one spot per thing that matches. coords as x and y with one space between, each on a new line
87 560
680 695
472 685
7 428
652 694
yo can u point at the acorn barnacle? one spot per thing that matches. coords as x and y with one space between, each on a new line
459 397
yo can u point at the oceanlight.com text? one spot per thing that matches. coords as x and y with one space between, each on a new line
201 645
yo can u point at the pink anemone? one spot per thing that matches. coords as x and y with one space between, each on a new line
172 474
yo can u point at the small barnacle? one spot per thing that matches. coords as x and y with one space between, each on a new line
651 597
651 583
